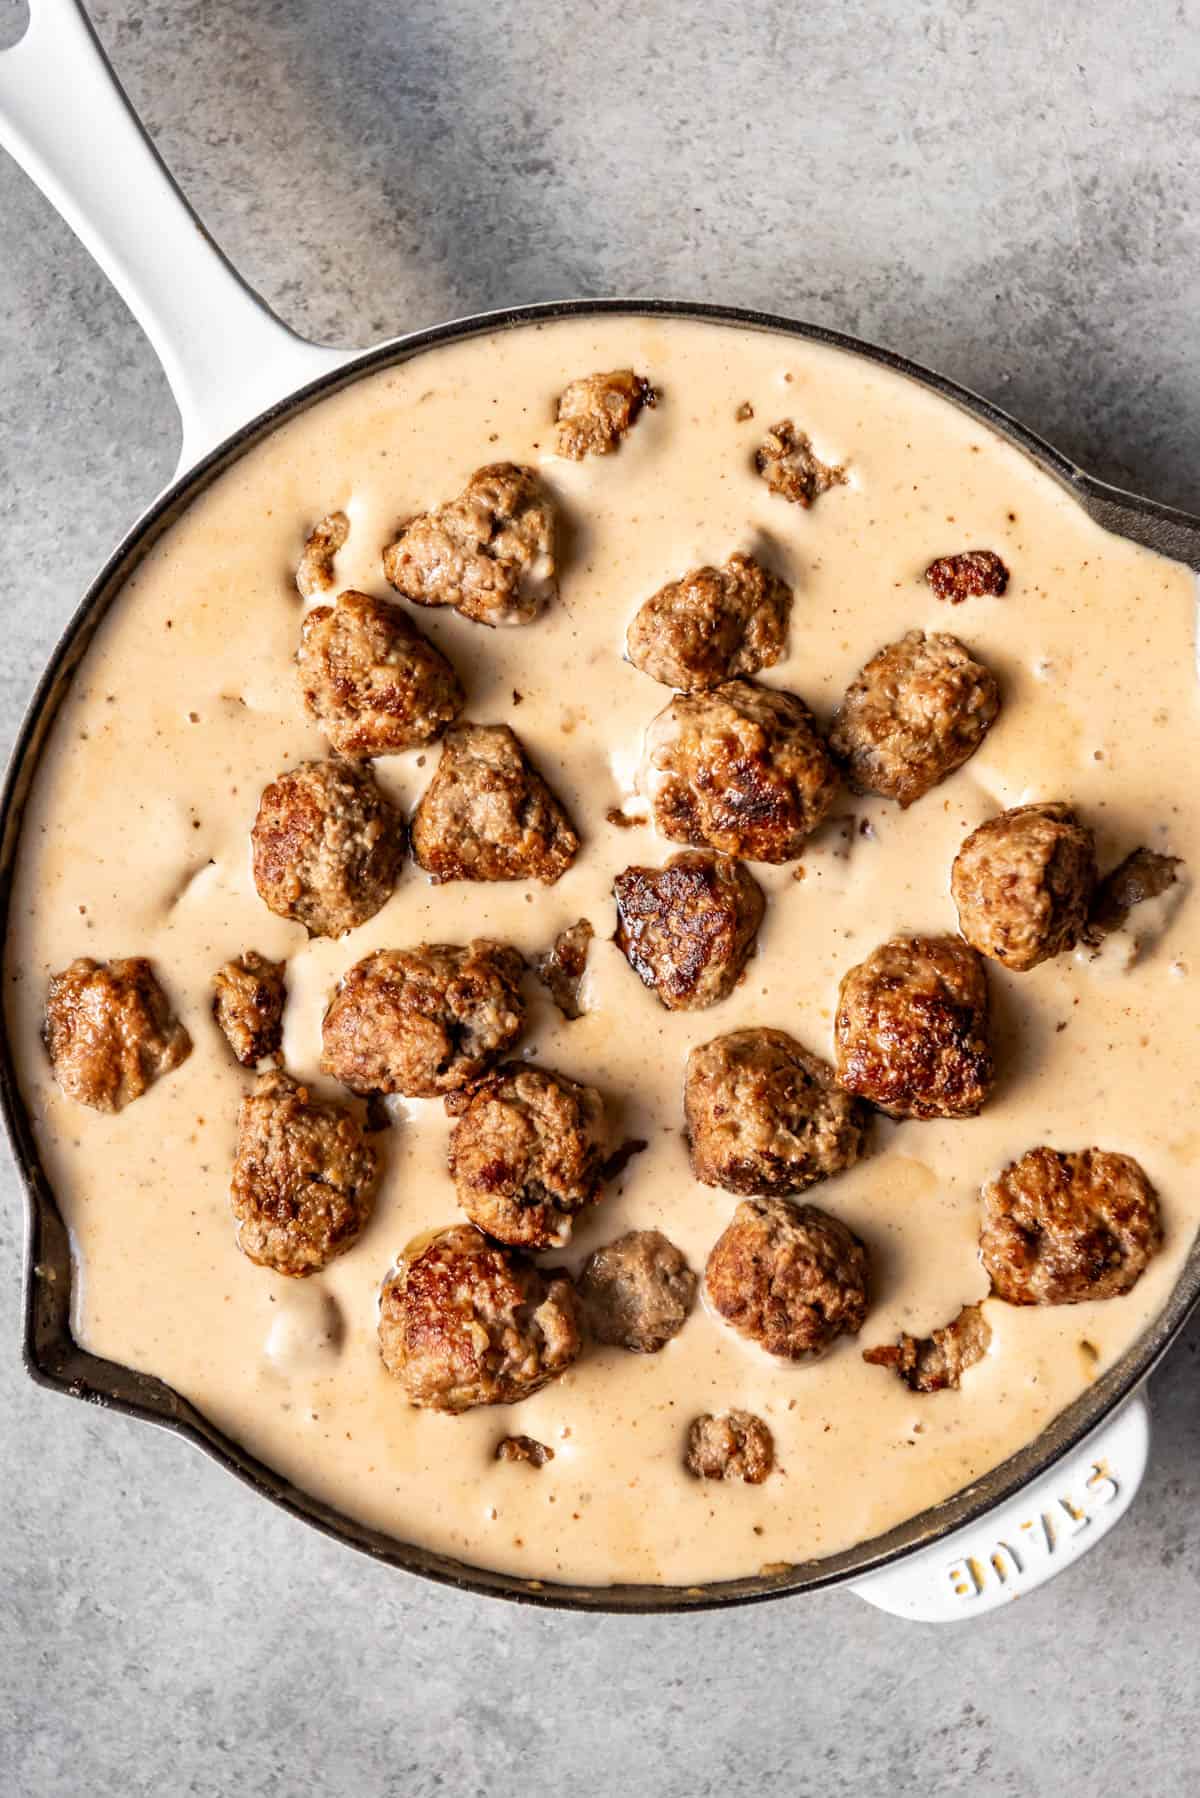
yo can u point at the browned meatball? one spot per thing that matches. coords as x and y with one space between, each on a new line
314 573
327 847
248 1006
489 553
423 1021
711 625
734 1445
1022 883
526 1449
791 467
561 967
912 1029
790 1277
527 1153
918 710
637 1292
595 412
464 1322
765 1116
487 814
1059 1229
373 683
688 929
969 575
937 1363
303 1178
739 769
110 1032
1143 875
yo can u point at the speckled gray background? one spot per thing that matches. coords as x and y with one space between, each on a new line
1006 191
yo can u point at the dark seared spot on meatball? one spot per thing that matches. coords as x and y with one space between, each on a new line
488 814
968 575
303 1178
740 769
1059 1229
912 1029
489 553
424 1021
371 680
527 1153
1022 884
561 968
936 1363
248 1005
687 929
711 625
917 711
789 1277
327 847
314 572
636 1293
465 1322
1144 874
733 1445
110 1032
790 466
525 1449
595 412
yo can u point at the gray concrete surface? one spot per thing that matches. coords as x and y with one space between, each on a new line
1007 191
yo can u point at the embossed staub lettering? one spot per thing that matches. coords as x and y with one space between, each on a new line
1024 1550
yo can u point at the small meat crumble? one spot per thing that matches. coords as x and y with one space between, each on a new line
687 929
423 1021
464 1322
789 1277
740 769
912 1029
791 467
488 814
110 1032
1059 1229
526 1449
561 968
248 1006
1143 875
327 847
917 711
764 1116
711 625
734 1445
314 572
527 1153
595 412
489 553
937 1363
636 1293
969 575
1022 884
373 683
303 1178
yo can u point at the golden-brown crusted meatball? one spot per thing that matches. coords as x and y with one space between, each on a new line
373 683
636 1293
489 553
764 1116
464 1322
110 1032
561 967
711 625
968 575
687 929
734 1445
314 573
937 1363
912 1029
303 1178
1022 883
1059 1229
327 847
487 814
789 1277
248 1005
527 1153
423 1021
918 710
739 769
595 412
791 467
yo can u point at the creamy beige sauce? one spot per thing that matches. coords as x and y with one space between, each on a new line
136 842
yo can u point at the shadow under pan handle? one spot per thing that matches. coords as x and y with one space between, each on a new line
66 121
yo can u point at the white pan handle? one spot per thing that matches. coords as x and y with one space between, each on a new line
1025 1542
66 121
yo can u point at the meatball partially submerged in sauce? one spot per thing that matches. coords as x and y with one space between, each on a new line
248 1003
711 625
789 1277
373 683
327 847
687 929
595 412
1060 1229
488 814
912 1029
637 1292
110 1032
489 553
1023 882
733 1445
